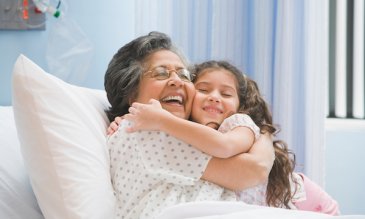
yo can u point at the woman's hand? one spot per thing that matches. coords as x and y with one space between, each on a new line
113 127
244 170
146 116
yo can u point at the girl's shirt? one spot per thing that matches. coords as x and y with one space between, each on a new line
257 195
239 120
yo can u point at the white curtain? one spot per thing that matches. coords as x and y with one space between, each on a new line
281 44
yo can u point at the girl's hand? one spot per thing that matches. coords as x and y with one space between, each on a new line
146 116
113 127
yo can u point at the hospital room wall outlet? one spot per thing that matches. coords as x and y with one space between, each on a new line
21 15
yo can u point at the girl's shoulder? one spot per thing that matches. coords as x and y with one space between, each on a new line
237 120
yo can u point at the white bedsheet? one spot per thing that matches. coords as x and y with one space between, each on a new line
17 200
239 210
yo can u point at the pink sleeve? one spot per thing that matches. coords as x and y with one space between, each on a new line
317 199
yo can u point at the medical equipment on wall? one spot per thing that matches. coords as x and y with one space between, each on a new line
29 14
45 6
20 15
68 49
42 8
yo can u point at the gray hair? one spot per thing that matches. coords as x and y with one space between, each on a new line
122 78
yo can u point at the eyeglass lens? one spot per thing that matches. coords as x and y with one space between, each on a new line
162 73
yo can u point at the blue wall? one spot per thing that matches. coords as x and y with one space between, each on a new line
345 155
108 26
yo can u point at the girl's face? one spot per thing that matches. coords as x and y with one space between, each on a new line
216 97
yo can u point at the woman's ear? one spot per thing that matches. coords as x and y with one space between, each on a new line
132 99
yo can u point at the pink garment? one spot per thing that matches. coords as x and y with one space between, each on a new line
317 199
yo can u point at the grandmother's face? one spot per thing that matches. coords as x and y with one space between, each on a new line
175 95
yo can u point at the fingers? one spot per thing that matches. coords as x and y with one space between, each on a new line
132 111
118 120
128 116
137 105
109 131
113 127
132 118
155 102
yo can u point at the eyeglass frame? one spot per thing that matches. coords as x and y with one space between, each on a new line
189 75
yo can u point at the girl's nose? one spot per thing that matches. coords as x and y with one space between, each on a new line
214 96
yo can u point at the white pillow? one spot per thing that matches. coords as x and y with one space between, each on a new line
62 132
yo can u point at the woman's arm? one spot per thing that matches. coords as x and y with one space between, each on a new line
210 141
244 170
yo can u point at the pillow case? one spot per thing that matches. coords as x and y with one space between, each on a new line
17 200
62 132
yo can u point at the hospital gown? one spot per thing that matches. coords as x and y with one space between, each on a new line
152 170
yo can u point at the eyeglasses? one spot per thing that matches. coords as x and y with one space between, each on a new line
162 73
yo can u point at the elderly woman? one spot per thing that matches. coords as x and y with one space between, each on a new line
150 173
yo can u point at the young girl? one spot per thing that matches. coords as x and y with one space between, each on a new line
231 102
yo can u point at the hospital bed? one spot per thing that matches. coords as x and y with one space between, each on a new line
54 163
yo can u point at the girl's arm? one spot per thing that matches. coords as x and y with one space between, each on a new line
241 171
244 170
210 141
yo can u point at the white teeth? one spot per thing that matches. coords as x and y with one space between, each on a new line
212 110
176 98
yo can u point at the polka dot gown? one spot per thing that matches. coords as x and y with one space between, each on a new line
152 170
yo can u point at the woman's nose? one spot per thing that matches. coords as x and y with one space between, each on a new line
175 80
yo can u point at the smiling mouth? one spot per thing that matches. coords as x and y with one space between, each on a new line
173 99
212 110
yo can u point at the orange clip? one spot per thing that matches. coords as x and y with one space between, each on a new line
25 9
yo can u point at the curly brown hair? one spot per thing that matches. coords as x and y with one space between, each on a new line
252 103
